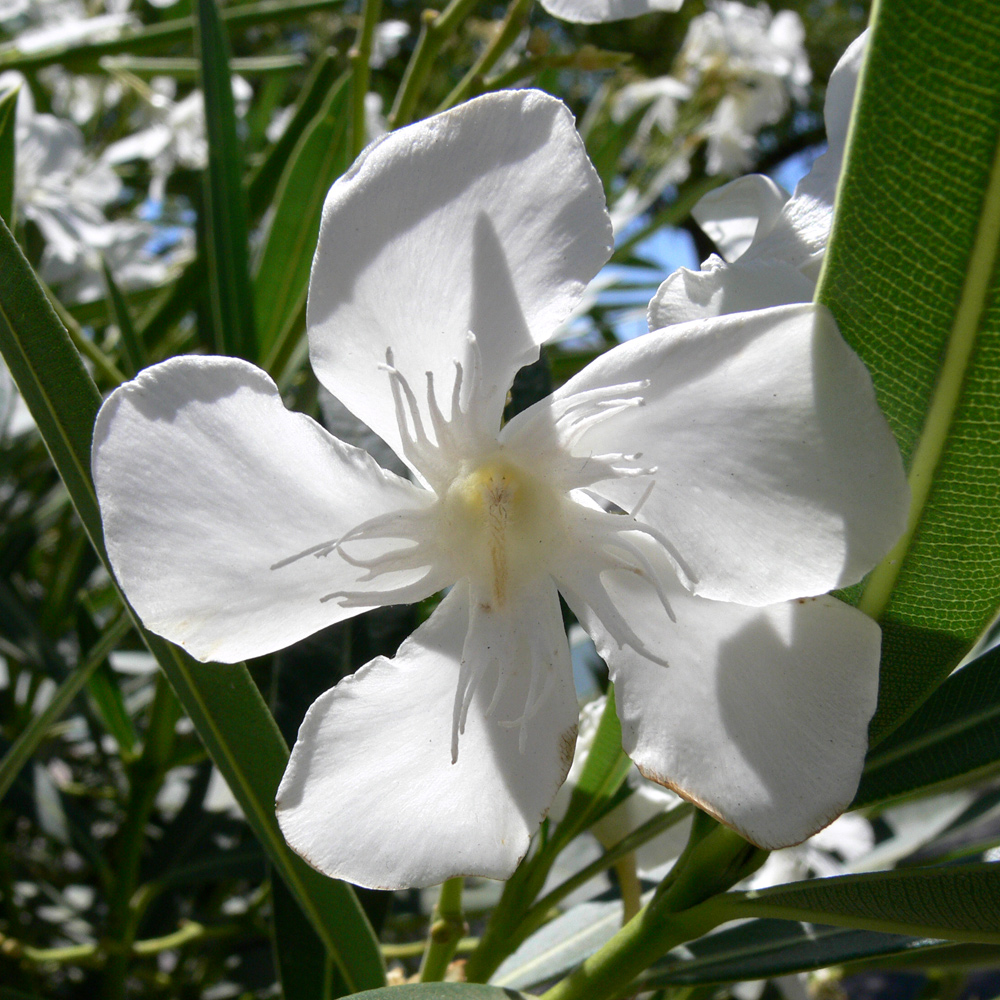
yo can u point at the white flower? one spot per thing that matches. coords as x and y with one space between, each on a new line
388 37
772 246
737 71
596 11
759 60
738 460
59 187
176 138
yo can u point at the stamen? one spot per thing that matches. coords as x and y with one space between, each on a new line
441 428
323 549
645 496
408 594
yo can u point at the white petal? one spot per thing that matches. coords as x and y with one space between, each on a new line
760 718
206 481
371 794
777 474
596 11
488 218
821 181
720 289
739 212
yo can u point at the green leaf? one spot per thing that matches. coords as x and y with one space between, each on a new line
955 734
265 179
8 152
225 202
222 702
321 156
600 779
24 747
443 991
103 688
958 902
305 968
132 347
561 944
761 949
911 277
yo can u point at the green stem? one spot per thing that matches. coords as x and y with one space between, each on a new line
414 949
540 912
145 779
360 60
684 907
95 953
447 928
434 31
514 22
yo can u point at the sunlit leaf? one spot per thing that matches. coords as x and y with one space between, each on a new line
910 276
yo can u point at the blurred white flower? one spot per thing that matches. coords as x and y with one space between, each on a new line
59 186
65 23
771 245
388 37
737 71
176 138
595 11
758 61
11 9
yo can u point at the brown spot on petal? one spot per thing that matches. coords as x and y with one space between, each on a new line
567 746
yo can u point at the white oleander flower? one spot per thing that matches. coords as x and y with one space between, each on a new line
759 60
692 494
737 71
176 138
597 11
59 186
771 246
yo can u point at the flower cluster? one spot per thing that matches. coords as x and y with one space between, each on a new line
738 71
692 495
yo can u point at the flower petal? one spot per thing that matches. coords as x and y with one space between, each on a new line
734 215
488 218
720 289
776 473
371 793
598 11
206 481
821 181
761 716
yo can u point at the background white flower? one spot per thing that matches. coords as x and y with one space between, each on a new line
771 245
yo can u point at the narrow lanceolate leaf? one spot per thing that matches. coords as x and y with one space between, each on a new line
602 775
222 701
957 902
954 735
24 747
911 276
8 117
760 949
320 157
225 202
442 991
134 353
263 182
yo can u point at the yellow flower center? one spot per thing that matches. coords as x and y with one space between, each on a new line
499 523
